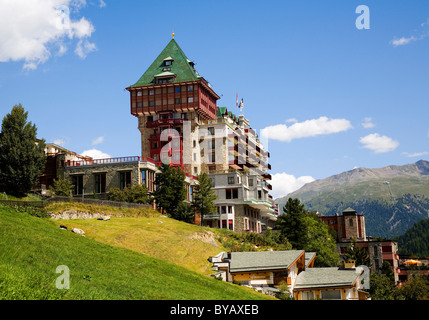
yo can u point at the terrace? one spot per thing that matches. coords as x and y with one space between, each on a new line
118 160
92 162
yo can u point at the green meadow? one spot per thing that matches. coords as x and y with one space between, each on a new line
32 248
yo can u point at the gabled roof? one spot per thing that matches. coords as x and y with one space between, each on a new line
349 210
325 278
180 66
309 257
263 260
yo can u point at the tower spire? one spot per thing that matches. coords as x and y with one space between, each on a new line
172 34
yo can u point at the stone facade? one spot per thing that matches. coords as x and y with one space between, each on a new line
99 177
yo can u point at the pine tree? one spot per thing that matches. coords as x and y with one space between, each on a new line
203 196
292 223
359 254
22 157
170 190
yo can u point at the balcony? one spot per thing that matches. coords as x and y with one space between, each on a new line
172 134
267 176
213 216
159 122
106 161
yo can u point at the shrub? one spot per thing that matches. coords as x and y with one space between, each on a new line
134 194
184 212
62 187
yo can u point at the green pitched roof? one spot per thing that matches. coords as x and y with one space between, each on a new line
180 66
221 111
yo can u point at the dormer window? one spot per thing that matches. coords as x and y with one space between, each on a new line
168 61
165 80
190 63
165 77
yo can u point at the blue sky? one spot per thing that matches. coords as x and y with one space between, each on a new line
325 96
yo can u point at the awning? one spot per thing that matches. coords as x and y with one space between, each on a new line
412 262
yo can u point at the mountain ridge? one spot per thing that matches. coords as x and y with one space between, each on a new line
393 197
361 174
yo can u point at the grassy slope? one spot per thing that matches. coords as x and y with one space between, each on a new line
32 248
159 237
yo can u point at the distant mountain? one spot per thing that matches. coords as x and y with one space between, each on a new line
392 198
415 241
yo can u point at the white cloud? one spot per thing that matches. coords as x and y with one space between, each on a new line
30 30
102 4
84 47
291 120
308 128
95 154
416 154
378 143
97 141
403 41
284 183
406 40
367 123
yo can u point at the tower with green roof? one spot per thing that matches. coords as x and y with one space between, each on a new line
168 93
181 124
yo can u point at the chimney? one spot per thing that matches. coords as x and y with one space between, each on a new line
350 264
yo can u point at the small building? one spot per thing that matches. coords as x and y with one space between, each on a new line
329 284
267 269
262 268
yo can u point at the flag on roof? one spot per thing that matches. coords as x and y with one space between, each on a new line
236 99
241 105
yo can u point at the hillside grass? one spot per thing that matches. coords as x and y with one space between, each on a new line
27 197
185 244
32 248
160 237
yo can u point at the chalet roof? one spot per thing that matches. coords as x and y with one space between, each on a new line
325 278
181 66
263 260
308 257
